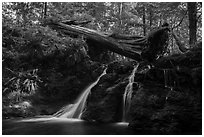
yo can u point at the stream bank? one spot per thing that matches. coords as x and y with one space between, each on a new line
166 99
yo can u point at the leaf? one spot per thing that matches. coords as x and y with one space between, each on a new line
10 80
5 89
32 87
25 81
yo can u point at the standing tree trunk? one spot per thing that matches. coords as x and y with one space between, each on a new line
24 9
144 20
150 17
192 10
120 18
45 9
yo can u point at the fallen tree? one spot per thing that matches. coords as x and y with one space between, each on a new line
138 48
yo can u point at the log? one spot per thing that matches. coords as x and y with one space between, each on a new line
124 37
103 38
75 22
126 45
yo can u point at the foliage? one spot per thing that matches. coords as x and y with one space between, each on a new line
35 57
21 84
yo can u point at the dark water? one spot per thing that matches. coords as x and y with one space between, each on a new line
62 126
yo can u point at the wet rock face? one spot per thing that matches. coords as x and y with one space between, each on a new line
169 100
163 111
164 101
105 107
104 103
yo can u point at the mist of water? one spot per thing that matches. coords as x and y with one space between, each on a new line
75 110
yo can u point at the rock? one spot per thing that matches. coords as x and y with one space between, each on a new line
164 100
190 59
104 103
168 104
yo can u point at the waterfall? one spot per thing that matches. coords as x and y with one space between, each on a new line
128 94
75 110
167 79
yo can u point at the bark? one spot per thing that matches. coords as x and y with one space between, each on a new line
192 10
181 45
45 10
124 37
74 22
120 14
129 46
100 38
24 9
150 17
144 20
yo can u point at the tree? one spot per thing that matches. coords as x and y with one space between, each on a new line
150 17
144 20
45 10
192 10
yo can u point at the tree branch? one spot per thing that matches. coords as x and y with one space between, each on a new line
180 21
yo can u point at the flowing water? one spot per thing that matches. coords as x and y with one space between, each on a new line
128 94
62 126
167 79
75 110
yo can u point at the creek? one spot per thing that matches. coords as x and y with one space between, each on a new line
62 126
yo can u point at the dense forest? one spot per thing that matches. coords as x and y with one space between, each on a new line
46 66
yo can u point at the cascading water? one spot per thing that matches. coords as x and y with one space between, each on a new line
167 79
75 110
128 94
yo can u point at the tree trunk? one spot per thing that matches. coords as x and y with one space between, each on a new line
24 10
137 48
150 18
120 21
181 45
192 21
144 20
45 10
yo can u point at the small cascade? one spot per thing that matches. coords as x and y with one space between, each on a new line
75 110
167 80
128 94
